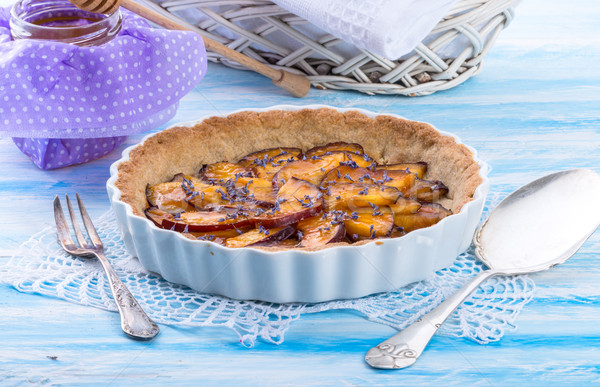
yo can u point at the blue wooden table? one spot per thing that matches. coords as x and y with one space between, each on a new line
534 109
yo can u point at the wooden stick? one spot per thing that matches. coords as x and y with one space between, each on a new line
297 85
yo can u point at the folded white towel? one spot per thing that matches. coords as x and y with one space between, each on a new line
390 28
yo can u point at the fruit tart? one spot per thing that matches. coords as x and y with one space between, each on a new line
298 204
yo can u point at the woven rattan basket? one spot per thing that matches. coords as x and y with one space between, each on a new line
256 27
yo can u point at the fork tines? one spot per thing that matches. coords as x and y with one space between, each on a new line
64 234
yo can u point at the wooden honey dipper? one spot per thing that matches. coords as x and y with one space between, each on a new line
297 85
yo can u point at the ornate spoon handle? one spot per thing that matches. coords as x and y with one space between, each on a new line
134 321
403 349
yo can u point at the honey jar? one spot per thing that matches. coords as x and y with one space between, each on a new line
61 21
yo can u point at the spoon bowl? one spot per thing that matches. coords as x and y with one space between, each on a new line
539 226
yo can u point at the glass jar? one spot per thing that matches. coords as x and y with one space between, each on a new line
61 21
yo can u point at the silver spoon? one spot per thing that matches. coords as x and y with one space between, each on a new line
535 228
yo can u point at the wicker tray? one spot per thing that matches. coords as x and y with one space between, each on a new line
256 27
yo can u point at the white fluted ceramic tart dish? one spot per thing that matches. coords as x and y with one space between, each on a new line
347 268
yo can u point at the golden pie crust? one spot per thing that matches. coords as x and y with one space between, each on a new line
387 139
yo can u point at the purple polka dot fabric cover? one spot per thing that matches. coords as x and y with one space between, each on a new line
52 153
64 104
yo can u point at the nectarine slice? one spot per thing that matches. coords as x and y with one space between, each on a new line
266 155
345 174
369 223
261 237
428 215
296 200
320 230
354 195
427 190
418 168
335 147
222 171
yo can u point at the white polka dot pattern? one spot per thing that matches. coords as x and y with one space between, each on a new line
52 153
51 90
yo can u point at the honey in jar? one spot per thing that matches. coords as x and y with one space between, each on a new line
61 21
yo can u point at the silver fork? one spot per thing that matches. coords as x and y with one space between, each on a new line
134 321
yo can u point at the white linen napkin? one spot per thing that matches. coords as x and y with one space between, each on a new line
390 28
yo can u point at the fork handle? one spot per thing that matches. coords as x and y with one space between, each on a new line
134 321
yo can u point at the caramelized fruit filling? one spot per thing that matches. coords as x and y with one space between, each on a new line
288 198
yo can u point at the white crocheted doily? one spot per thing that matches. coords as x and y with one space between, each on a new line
41 266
